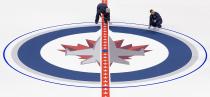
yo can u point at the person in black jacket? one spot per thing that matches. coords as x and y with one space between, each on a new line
155 19
102 9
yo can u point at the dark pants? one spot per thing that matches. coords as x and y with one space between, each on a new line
106 18
156 24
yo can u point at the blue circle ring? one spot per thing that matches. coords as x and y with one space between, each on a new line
30 50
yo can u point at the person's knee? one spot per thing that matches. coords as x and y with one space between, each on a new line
159 26
153 24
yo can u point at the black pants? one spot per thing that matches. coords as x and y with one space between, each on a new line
156 24
106 18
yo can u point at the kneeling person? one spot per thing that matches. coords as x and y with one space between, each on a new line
155 19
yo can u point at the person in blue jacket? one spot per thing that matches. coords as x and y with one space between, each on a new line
102 9
155 19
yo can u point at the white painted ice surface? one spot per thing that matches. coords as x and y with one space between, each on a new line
190 17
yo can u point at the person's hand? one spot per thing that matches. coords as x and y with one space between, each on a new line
96 22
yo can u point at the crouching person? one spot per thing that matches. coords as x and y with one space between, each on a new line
155 19
102 9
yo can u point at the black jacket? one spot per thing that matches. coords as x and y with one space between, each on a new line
101 8
156 18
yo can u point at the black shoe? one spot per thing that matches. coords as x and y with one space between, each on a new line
159 26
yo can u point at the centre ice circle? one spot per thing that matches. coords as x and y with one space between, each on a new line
162 68
177 54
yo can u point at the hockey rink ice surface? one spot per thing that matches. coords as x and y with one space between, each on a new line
35 62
